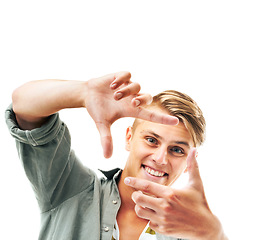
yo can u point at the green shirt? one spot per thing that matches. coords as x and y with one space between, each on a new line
74 203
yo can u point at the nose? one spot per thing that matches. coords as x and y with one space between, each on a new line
160 155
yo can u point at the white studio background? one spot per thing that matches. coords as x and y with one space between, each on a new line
221 53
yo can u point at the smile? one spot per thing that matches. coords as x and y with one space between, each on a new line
153 172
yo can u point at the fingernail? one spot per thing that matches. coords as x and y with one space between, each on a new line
113 86
137 102
133 198
127 181
118 96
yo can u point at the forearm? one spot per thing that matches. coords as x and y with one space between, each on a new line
35 101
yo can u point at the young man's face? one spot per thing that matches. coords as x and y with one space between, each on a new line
157 152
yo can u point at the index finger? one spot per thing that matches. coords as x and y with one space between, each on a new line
146 186
157 117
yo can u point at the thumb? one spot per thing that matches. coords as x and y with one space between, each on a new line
105 138
193 170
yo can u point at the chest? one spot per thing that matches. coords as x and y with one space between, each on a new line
129 225
146 234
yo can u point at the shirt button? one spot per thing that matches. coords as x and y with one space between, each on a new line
106 229
114 201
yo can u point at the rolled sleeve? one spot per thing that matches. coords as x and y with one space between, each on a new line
35 137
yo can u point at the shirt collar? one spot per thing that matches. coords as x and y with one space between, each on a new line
114 173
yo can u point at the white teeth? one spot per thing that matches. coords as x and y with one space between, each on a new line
153 172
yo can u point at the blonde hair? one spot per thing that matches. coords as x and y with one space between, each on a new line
186 110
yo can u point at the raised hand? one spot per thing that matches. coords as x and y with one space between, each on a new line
180 213
114 96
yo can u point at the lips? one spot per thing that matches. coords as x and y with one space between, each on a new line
154 172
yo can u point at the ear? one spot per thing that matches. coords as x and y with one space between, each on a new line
128 138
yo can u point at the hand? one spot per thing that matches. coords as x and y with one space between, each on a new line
180 213
114 96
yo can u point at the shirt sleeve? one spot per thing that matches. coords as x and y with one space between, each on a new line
51 166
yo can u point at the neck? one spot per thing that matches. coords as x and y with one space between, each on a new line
125 193
126 215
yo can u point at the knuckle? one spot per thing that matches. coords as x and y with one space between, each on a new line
137 86
164 219
146 187
167 208
128 74
127 91
149 99
163 229
153 226
152 116
171 195
166 228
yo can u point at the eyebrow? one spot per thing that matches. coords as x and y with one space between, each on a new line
159 137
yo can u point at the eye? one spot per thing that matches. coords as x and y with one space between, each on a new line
151 140
177 151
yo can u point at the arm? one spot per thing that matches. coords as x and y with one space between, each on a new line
49 163
35 101
106 99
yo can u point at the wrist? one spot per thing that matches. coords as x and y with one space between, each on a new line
218 233
84 93
74 94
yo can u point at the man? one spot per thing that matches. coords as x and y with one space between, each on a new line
136 203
